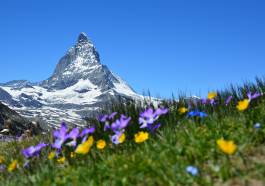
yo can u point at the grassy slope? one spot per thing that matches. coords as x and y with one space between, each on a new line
162 159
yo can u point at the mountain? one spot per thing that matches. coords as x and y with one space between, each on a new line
12 123
79 86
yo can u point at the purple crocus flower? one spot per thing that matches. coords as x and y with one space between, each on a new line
33 150
153 128
115 138
2 168
112 115
149 116
228 100
26 164
254 96
204 101
106 119
161 111
192 170
197 113
60 136
103 118
74 134
85 132
120 124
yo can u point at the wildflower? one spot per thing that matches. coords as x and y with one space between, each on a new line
120 124
85 132
122 138
140 137
243 105
212 95
192 170
118 138
106 119
204 101
254 96
149 116
2 159
153 128
228 100
74 134
12 166
2 168
72 155
51 155
257 126
85 147
182 110
33 151
101 144
61 160
228 147
26 164
60 136
197 113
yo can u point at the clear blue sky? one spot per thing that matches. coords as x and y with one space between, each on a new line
162 45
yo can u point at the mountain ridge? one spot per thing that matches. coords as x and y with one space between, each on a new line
78 88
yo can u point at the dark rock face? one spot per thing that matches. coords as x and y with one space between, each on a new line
16 124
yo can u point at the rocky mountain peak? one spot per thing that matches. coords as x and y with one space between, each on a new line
82 38
78 88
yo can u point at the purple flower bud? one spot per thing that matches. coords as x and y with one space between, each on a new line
228 100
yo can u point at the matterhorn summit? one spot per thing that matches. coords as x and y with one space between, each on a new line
78 88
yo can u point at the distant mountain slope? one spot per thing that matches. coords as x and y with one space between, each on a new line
13 123
79 86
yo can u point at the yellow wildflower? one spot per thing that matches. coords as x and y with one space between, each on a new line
228 147
101 144
2 159
182 110
72 155
212 95
140 137
61 160
122 138
243 105
85 147
51 155
12 166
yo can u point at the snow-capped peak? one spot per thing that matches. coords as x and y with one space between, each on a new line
82 38
79 86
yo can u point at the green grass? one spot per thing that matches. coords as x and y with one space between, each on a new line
163 158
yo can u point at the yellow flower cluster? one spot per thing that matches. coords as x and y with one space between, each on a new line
122 138
212 95
182 110
85 147
51 155
61 160
101 144
243 105
228 147
2 159
140 137
12 166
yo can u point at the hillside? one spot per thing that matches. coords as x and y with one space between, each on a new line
219 140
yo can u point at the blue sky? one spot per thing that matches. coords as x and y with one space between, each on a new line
165 46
